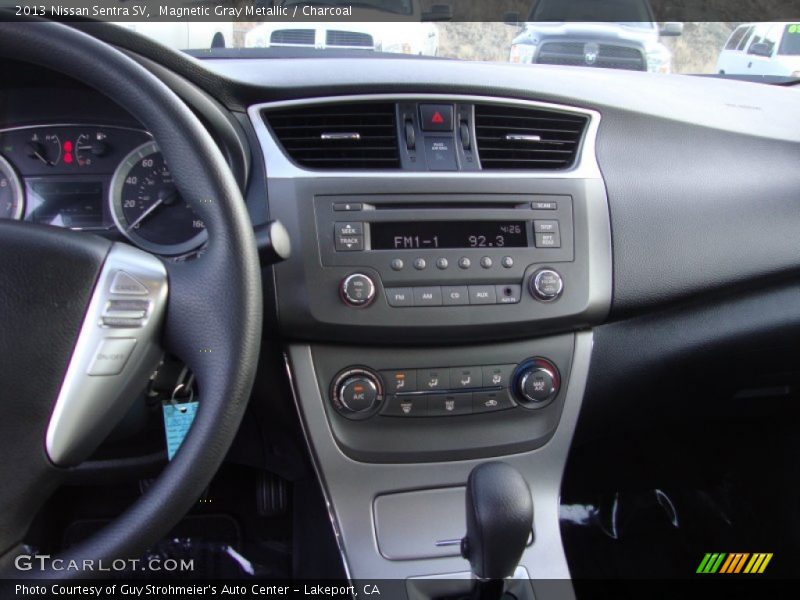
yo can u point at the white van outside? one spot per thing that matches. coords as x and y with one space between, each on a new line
762 49
185 35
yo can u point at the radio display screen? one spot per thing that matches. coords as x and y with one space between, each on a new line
412 235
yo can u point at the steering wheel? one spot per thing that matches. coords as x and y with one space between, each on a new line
67 371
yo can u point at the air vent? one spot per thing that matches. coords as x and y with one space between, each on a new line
511 137
342 136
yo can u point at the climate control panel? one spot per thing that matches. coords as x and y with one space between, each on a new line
360 393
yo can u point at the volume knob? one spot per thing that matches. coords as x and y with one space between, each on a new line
357 290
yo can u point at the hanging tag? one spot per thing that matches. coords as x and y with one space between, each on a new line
178 418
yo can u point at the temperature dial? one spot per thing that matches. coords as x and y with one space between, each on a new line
357 393
536 383
357 290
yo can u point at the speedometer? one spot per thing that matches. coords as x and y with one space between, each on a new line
147 207
12 200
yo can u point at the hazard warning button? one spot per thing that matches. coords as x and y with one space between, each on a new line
436 117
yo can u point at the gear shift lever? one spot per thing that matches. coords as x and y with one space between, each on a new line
499 521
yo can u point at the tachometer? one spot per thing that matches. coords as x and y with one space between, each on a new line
147 207
12 199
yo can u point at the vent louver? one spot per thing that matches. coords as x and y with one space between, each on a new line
510 137
343 136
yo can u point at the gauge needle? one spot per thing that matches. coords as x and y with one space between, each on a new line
161 200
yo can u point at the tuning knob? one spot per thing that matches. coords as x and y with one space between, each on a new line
536 383
357 290
357 393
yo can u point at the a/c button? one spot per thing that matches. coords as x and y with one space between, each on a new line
111 356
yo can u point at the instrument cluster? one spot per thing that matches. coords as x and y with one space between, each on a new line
104 179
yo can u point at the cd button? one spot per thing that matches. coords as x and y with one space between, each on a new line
457 295
428 296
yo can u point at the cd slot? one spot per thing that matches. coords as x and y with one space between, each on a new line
451 205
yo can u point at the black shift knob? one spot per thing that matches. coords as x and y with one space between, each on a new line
499 520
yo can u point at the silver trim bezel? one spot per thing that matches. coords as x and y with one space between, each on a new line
279 165
16 187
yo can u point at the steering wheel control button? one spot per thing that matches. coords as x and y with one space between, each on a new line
433 379
428 296
491 401
442 263
466 377
397 264
486 262
548 240
125 313
537 383
508 294
111 356
455 295
497 375
546 285
125 284
357 290
482 294
406 406
400 381
464 263
436 117
357 393
400 297
443 405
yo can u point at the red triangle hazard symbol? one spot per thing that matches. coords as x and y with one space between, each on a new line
437 118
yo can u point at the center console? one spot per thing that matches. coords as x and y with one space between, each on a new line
439 309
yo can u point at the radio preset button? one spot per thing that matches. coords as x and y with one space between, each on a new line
428 296
482 294
508 294
400 297
455 295
486 262
400 380
464 263
507 262
420 264
441 263
466 377
397 264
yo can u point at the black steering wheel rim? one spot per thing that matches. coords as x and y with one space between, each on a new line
214 312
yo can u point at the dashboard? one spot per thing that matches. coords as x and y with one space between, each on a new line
103 179
461 286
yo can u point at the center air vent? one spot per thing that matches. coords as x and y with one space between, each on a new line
511 137
342 136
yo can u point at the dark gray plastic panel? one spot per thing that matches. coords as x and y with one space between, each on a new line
399 439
